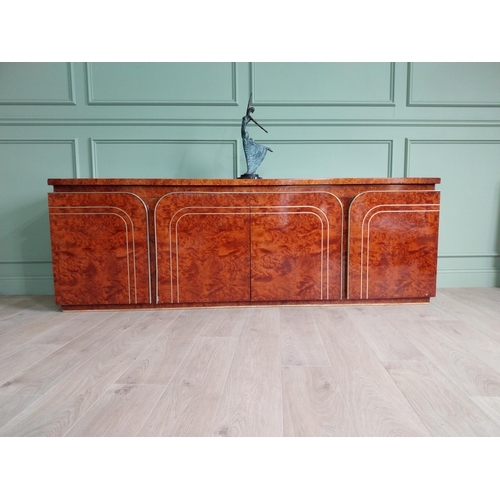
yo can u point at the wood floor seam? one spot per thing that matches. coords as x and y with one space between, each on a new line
396 370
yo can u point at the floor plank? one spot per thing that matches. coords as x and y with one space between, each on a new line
385 340
394 370
62 406
251 400
313 404
189 403
33 351
445 410
468 314
376 405
46 373
483 302
159 362
471 340
13 404
120 412
13 338
490 406
25 305
466 371
227 322
301 342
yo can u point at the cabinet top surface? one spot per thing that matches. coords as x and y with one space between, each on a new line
244 182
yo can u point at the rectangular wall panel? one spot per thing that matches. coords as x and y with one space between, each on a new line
327 84
324 159
470 205
36 83
162 83
25 253
454 84
164 159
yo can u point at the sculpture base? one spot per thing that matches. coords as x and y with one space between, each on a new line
250 176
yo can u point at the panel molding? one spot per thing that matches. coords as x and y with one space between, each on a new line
72 142
410 142
71 101
222 122
325 103
95 142
458 278
92 101
410 102
467 255
389 143
26 261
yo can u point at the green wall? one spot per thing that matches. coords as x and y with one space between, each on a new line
183 120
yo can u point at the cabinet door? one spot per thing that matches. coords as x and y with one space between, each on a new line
393 240
296 246
100 248
202 248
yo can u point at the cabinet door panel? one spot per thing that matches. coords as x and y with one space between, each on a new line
393 239
100 248
296 246
203 248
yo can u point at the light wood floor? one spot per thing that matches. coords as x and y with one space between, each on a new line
412 370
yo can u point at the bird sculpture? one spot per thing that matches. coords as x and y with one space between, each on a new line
254 153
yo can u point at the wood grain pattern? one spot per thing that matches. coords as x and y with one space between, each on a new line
158 363
100 248
228 322
375 404
251 400
32 351
202 245
66 402
473 376
19 313
313 404
400 181
189 403
301 342
120 412
386 341
490 406
13 304
296 246
43 375
393 244
486 323
476 343
13 404
16 336
484 302
233 242
221 371
444 409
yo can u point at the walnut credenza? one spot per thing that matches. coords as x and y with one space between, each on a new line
146 243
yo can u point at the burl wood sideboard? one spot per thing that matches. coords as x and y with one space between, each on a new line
157 243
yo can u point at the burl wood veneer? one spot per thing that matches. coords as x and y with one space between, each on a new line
135 243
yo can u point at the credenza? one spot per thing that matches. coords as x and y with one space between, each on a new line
160 243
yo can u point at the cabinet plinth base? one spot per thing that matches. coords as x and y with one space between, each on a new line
322 303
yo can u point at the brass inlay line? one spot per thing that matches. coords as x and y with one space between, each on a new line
126 240
231 213
249 209
365 193
368 242
118 193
